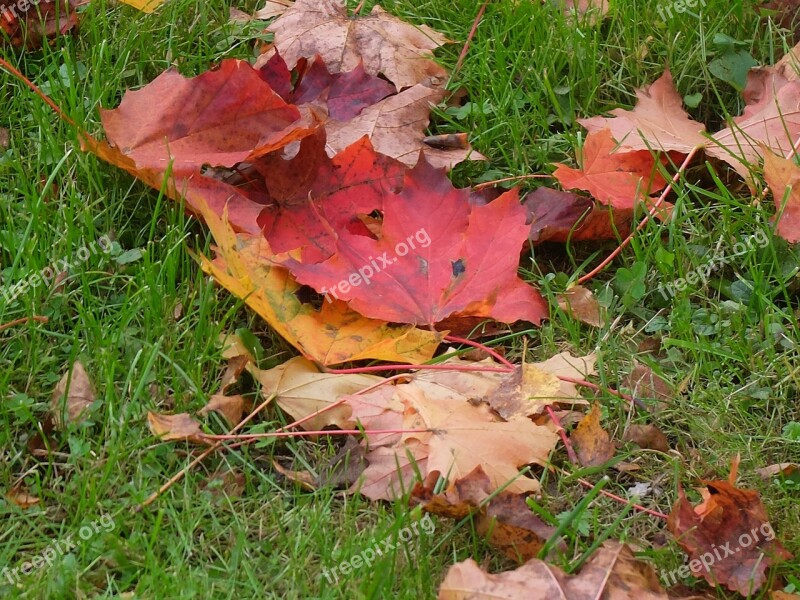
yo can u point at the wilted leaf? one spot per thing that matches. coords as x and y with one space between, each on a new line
612 573
301 390
20 496
783 179
386 44
330 336
658 122
618 179
175 427
219 118
728 536
506 519
594 446
527 392
396 126
580 303
68 404
783 469
462 436
647 437
436 256
231 408
272 9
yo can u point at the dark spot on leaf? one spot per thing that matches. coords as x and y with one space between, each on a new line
458 267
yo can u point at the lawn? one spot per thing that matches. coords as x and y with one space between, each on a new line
144 319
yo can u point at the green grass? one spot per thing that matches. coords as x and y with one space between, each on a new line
145 323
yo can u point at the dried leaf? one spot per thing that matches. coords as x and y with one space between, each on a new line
301 390
386 44
462 436
580 303
783 179
728 536
272 9
231 408
396 126
594 446
69 404
612 573
647 437
782 469
175 427
22 498
658 122
617 179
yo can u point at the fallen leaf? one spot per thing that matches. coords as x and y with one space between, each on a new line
302 390
4 138
647 437
593 444
175 427
146 6
527 391
773 124
580 303
231 408
617 179
187 122
72 397
438 256
330 336
22 498
396 126
728 536
645 383
385 44
506 520
782 469
783 179
303 478
658 122
612 573
228 482
595 9
38 21
462 436
272 9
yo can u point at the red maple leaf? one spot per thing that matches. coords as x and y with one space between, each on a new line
619 179
435 256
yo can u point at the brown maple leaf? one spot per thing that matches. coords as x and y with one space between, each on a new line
658 122
462 436
612 573
72 396
302 390
728 536
176 427
618 179
594 445
505 519
396 126
386 44
579 302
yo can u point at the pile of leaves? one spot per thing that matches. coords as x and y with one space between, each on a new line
335 221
